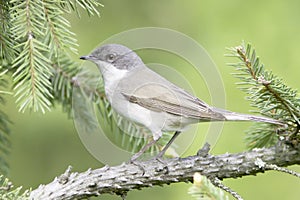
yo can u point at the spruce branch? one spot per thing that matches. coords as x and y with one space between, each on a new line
64 70
127 177
7 50
203 189
58 35
35 36
35 39
4 127
32 67
217 182
8 192
269 95
89 6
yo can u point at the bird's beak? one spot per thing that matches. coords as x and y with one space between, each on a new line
85 57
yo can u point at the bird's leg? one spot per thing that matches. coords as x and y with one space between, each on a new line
163 151
145 148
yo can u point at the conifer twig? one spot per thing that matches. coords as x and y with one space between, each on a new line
270 96
266 83
218 183
274 167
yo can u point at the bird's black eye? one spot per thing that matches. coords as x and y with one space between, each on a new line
111 57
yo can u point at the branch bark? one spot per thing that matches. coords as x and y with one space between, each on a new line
126 177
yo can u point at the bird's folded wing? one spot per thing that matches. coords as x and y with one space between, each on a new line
172 100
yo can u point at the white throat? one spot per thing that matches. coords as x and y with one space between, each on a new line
111 77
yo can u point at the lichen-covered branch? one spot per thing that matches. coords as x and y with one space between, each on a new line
126 177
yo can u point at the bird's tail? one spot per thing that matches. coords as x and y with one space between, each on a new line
232 116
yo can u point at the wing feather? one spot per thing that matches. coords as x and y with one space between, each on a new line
173 100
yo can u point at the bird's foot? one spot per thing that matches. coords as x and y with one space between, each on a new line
138 164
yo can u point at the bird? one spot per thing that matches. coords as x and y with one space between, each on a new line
145 97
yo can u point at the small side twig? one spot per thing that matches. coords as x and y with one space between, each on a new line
218 183
203 152
64 178
264 165
8 187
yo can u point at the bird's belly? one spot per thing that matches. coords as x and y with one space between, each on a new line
132 111
155 121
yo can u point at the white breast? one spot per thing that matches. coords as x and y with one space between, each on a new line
112 77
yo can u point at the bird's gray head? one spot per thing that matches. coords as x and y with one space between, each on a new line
118 55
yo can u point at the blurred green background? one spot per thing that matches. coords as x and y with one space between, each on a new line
44 145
